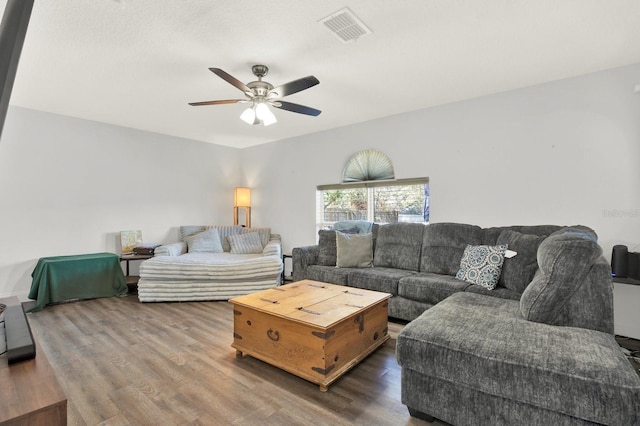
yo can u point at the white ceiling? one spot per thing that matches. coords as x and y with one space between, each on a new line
137 63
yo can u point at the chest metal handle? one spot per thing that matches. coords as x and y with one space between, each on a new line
273 335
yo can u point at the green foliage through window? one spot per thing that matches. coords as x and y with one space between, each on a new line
388 202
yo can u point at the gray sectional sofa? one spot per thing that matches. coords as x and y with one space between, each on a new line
537 349
417 264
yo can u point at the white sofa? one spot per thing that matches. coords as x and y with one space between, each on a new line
212 263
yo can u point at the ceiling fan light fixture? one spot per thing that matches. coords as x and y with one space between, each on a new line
264 114
249 116
261 94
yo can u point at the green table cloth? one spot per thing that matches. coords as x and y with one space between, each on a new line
84 276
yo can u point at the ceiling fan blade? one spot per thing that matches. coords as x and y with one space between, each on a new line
294 86
221 102
232 80
301 109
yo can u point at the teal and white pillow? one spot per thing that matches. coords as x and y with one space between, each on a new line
482 265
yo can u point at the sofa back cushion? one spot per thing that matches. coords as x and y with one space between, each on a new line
443 245
518 271
398 246
572 286
225 231
263 233
490 235
327 245
578 231
327 239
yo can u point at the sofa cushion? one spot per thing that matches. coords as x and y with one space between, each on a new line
443 246
501 292
186 231
518 271
328 274
578 231
490 235
354 250
327 246
398 246
377 279
482 343
482 265
225 231
429 288
248 243
205 242
571 285
264 234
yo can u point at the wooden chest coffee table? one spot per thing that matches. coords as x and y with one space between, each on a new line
315 330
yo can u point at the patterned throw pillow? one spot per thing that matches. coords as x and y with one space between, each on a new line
248 243
482 265
207 241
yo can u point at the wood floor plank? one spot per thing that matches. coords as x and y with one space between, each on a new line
121 362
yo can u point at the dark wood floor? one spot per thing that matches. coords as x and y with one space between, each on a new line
121 362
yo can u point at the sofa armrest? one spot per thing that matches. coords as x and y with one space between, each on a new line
303 257
273 247
174 249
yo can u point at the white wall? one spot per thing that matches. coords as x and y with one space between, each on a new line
566 152
69 186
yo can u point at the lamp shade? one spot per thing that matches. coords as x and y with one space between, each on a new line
242 197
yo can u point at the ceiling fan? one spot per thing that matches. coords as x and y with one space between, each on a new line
261 94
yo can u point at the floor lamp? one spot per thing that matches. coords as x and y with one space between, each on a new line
242 199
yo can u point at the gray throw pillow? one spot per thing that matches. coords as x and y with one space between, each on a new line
518 271
482 265
248 243
205 242
354 250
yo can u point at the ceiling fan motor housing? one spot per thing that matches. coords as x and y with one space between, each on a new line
260 70
260 88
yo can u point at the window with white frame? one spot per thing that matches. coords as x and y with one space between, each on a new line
403 200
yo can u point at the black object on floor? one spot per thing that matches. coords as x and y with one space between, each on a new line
20 344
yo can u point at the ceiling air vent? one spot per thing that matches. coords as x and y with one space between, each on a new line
345 25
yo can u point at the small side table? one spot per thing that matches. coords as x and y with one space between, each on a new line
286 279
132 280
